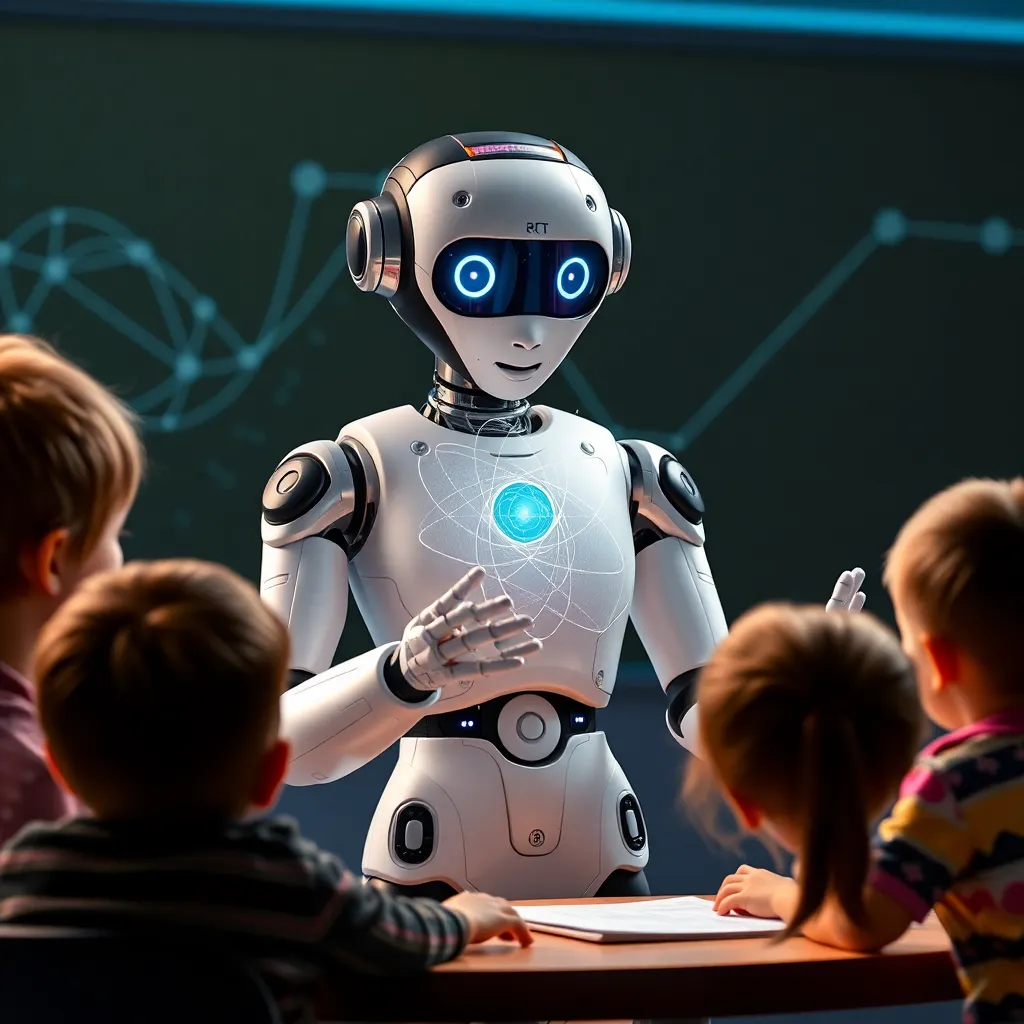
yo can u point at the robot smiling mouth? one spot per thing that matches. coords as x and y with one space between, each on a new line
518 372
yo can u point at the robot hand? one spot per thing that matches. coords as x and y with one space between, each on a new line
438 635
847 595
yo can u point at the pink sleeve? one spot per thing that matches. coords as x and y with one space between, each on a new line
898 891
27 790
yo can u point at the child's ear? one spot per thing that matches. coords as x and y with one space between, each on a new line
44 564
55 772
272 773
749 814
944 658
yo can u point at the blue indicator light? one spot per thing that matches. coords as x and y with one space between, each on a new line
477 266
573 278
523 512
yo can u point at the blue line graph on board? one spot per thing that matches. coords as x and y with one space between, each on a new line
109 245
181 350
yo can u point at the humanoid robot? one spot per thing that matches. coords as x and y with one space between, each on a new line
496 249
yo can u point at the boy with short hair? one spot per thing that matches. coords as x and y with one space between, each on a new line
955 839
70 464
159 688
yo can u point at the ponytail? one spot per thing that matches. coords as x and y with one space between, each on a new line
835 854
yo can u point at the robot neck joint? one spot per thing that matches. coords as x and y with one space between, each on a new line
459 404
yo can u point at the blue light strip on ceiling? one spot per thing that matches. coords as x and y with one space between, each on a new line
668 14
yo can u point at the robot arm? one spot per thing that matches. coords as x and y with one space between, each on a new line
314 518
676 609
315 514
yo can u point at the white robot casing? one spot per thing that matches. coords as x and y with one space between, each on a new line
503 783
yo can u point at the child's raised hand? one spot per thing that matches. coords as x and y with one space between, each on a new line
488 916
756 892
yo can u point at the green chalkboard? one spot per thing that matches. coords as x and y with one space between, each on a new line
823 315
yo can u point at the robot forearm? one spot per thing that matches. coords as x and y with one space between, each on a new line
345 717
679 619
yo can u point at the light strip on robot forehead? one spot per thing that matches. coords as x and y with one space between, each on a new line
495 148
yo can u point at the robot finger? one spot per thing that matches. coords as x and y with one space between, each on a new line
473 579
840 598
468 669
512 648
858 601
493 608
451 599
474 638
490 668
444 626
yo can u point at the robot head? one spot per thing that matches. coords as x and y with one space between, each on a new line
496 249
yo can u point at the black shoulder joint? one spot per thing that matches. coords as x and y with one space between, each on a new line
680 489
294 488
364 504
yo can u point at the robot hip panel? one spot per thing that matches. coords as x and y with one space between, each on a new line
457 811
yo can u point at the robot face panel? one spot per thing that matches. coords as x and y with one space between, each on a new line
489 277
513 258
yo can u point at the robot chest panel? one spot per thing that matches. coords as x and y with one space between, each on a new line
547 516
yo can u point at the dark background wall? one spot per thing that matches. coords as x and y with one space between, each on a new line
823 315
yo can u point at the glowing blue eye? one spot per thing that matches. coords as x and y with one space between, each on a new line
468 273
573 278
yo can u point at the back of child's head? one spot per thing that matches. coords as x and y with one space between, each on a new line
957 570
812 718
158 689
70 456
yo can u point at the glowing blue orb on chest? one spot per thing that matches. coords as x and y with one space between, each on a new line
523 512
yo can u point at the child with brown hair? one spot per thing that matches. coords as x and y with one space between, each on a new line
159 688
955 838
809 719
70 463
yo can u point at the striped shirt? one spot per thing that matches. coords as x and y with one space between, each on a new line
284 905
955 842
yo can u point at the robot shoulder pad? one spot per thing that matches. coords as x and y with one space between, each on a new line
314 487
663 492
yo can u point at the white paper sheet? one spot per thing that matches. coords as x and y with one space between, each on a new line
681 917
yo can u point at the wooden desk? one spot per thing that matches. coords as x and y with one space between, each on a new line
564 979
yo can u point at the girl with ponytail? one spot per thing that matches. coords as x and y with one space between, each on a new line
809 721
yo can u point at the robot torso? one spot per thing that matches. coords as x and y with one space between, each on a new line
547 516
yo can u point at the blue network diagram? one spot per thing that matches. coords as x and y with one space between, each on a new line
41 247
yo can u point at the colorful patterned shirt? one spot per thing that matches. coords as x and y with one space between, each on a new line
955 842
27 790
259 888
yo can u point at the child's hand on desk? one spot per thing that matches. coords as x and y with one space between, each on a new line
488 916
756 892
